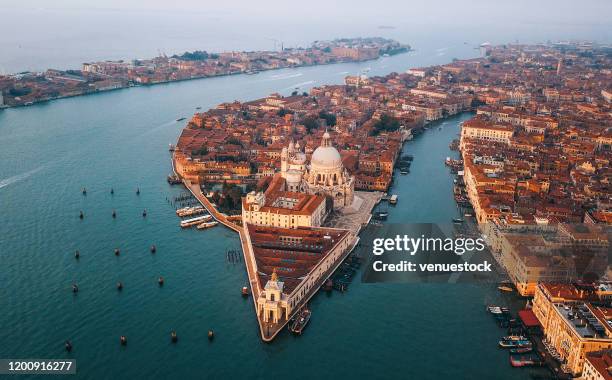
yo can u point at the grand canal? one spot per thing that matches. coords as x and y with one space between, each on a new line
119 140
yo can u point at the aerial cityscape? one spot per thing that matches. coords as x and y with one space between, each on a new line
214 212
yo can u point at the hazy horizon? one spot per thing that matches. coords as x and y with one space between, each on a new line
36 35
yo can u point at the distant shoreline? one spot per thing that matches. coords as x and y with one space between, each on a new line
29 88
136 85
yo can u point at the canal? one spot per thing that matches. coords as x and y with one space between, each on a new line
119 140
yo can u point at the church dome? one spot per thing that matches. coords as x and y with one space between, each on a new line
326 157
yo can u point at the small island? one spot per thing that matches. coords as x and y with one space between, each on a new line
27 88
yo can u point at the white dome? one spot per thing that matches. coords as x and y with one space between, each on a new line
326 157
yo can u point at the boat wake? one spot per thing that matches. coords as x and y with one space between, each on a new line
297 85
19 177
157 128
284 76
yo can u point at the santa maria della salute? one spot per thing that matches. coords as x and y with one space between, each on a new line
302 194
324 176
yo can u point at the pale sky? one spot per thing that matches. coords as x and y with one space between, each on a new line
569 12
36 34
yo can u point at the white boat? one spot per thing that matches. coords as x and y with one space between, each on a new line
188 211
393 199
197 220
205 225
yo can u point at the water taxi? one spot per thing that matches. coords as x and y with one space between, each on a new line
193 221
505 288
300 322
514 338
188 211
515 343
381 215
393 199
205 225
245 291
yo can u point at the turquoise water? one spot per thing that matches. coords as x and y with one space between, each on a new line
119 140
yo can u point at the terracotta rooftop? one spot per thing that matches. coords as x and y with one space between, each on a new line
292 252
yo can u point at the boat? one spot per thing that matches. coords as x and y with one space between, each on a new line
198 108
522 350
171 147
205 225
173 179
404 171
188 211
458 220
505 288
514 338
193 221
300 321
181 119
329 285
245 291
515 343
393 199
467 215
525 360
381 215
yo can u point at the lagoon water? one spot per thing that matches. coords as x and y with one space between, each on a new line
119 140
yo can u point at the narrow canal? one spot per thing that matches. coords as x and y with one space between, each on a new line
119 140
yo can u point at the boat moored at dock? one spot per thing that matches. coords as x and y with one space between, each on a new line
188 211
300 322
195 221
206 225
